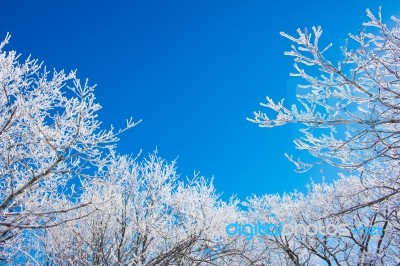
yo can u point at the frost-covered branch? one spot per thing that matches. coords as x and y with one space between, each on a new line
351 111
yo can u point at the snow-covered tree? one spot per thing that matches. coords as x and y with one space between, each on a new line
50 139
144 216
320 207
350 113
67 198
351 110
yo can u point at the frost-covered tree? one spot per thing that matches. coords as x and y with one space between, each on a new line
67 198
145 216
50 138
351 110
320 206
350 116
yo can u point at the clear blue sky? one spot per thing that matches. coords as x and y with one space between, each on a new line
191 70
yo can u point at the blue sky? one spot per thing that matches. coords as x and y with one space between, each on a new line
192 71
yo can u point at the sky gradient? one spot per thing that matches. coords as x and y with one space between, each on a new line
192 71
